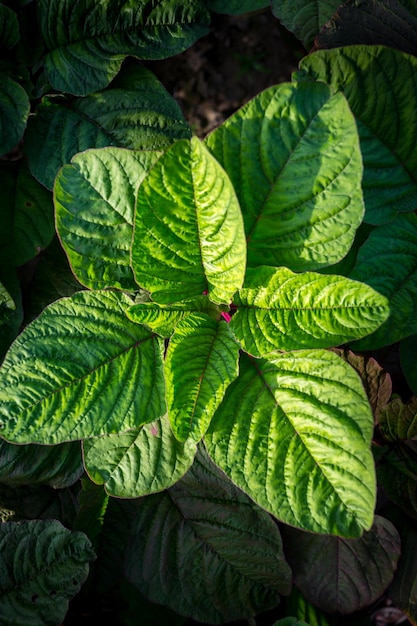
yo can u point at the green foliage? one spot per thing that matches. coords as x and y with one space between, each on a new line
182 320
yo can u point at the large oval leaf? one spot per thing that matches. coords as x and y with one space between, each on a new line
44 566
387 262
294 433
81 369
9 27
139 462
135 112
293 156
14 112
344 575
86 46
189 233
281 310
205 550
375 80
201 362
95 200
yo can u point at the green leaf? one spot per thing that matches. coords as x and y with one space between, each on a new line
343 575
189 233
9 27
56 466
408 351
370 22
387 262
304 18
398 421
294 433
44 566
162 319
375 80
201 362
95 202
397 475
235 7
290 621
281 310
139 462
81 369
14 111
293 156
403 590
206 536
7 305
86 46
93 502
297 605
12 310
135 112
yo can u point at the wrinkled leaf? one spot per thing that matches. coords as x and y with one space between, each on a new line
95 202
189 234
344 575
81 369
398 421
293 156
206 536
304 18
294 432
281 310
138 462
14 111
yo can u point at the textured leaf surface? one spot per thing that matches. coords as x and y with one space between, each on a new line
95 203
81 369
44 566
344 575
138 462
205 536
375 80
293 156
201 362
189 233
9 27
281 310
135 112
294 433
14 111
387 262
87 46
304 18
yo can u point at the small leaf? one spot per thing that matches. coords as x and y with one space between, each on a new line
201 362
293 156
206 536
281 310
297 605
294 433
44 567
189 232
139 462
14 112
95 202
81 369
304 18
403 588
344 575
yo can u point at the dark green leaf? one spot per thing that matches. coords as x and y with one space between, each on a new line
9 27
14 111
235 7
403 589
304 18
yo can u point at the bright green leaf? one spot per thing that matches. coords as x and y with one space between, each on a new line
135 112
294 433
201 362
81 369
304 18
139 462
204 535
293 156
95 202
87 42
375 80
14 111
281 310
44 566
189 233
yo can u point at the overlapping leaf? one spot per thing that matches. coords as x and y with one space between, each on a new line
135 112
201 362
387 262
281 310
189 234
87 44
404 586
376 79
44 566
139 462
293 156
9 27
206 537
95 200
81 369
14 111
294 433
304 18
